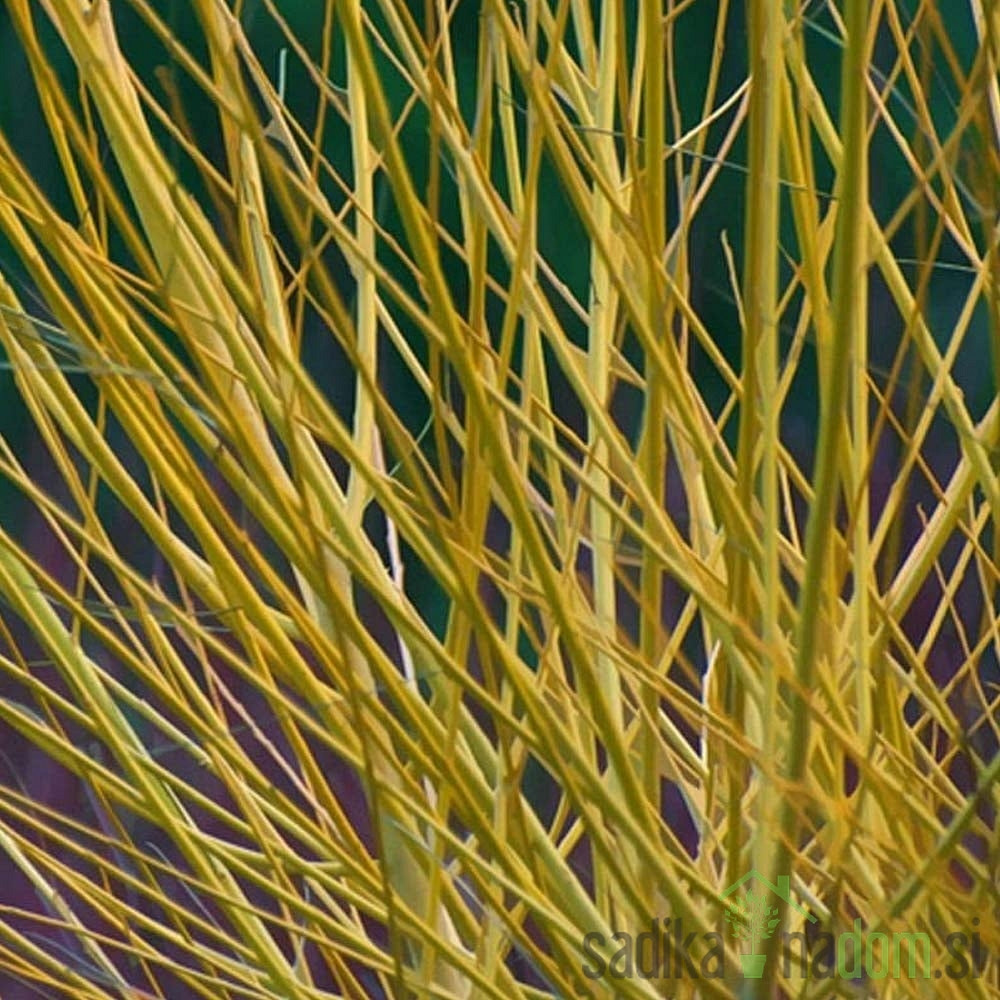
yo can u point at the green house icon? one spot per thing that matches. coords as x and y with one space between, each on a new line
754 919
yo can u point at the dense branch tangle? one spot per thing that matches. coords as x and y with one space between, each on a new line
416 573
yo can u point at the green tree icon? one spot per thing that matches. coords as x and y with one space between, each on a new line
753 921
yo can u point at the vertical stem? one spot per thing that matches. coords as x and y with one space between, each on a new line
848 315
654 454
603 310
761 296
